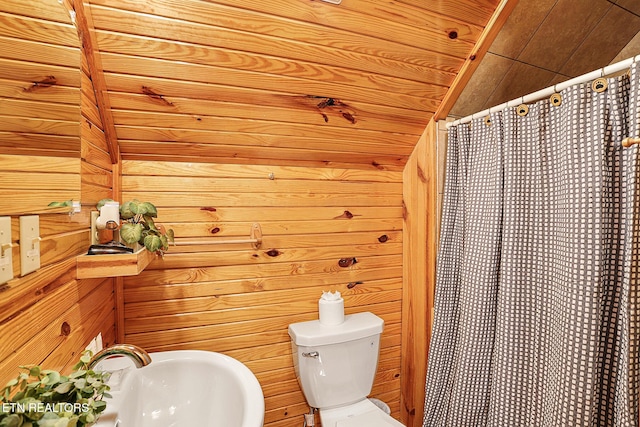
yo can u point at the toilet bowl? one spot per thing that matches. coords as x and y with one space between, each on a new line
336 365
363 413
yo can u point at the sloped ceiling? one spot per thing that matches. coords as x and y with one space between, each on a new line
306 82
299 82
545 42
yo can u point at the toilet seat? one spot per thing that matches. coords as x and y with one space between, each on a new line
362 413
375 418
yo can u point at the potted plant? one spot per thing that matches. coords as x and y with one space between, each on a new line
45 398
138 226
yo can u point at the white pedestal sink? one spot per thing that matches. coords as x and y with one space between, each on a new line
182 388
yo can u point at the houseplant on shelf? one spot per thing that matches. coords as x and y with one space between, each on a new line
45 398
138 226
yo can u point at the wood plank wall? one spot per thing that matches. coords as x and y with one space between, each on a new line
39 80
47 316
420 246
238 300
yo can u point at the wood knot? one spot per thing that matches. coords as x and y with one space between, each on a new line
345 214
327 102
347 262
47 82
273 252
383 238
421 176
155 96
352 285
453 35
215 230
65 329
208 208
349 117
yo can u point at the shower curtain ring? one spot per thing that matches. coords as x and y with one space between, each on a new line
522 109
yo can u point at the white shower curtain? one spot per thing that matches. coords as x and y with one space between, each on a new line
536 321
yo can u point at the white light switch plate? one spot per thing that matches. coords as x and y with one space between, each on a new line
6 256
29 244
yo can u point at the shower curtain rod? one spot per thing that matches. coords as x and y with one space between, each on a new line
536 96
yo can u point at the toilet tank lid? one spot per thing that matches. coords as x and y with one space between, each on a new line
355 326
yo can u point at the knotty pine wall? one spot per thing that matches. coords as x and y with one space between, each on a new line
420 187
47 316
238 300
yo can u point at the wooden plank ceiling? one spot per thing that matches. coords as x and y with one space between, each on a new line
299 82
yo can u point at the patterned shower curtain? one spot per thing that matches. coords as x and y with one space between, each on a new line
536 321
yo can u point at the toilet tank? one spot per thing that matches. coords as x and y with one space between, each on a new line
336 365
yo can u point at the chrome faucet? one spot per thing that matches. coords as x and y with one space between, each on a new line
139 357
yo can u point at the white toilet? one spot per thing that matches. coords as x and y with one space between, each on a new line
336 365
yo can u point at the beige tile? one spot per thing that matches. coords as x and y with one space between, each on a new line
575 37
631 49
521 79
520 27
566 26
481 85
630 5
558 78
608 38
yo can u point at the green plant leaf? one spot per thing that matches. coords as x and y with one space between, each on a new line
88 418
64 204
13 420
129 209
148 209
165 243
150 224
99 406
64 388
52 377
51 419
86 356
138 207
77 374
153 243
48 391
131 233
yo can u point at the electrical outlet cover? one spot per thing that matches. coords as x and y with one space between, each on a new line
6 254
29 244
96 344
99 343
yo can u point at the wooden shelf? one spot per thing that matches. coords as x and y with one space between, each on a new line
92 266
